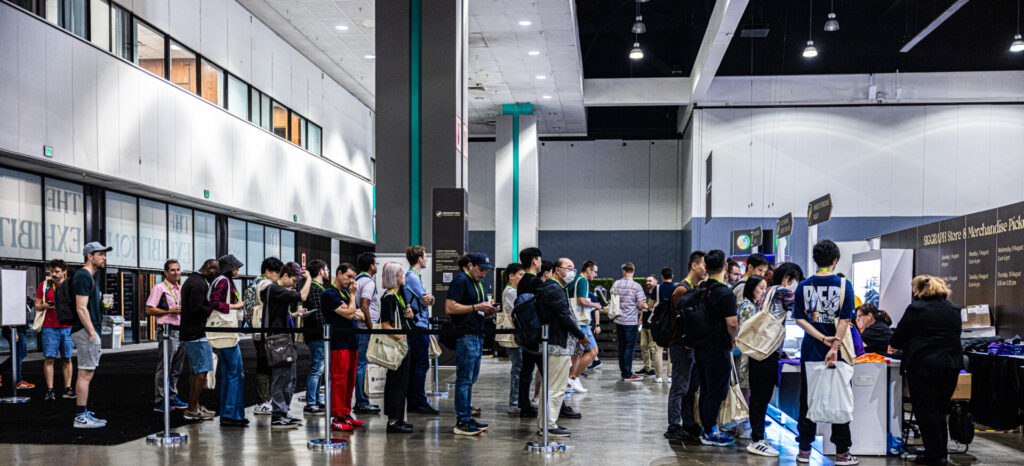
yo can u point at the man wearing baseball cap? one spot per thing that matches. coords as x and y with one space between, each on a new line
467 306
85 330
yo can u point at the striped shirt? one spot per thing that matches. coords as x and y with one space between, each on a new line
630 293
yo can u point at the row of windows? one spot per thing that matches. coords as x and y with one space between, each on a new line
117 30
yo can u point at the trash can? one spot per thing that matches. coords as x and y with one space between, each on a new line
113 329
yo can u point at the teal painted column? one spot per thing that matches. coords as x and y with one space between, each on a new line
415 116
516 182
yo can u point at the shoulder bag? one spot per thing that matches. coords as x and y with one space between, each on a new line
279 347
220 340
613 304
40 316
762 334
385 351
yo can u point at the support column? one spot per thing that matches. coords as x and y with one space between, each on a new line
420 133
516 183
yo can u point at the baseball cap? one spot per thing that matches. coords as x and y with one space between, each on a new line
95 246
481 260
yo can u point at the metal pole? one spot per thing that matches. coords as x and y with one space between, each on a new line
547 446
14 398
437 378
170 439
327 443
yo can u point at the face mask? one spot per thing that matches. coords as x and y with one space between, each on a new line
570 275
792 286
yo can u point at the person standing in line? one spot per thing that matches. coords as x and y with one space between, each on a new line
313 333
646 337
685 378
56 336
825 319
467 306
419 300
195 310
764 375
531 260
165 304
269 273
754 289
595 325
563 335
579 294
662 292
631 301
281 300
224 298
366 299
757 264
712 353
735 273
85 330
514 273
342 314
929 335
396 314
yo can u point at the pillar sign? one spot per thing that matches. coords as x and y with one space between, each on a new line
450 234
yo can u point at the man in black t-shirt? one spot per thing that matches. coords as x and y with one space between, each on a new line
280 300
714 357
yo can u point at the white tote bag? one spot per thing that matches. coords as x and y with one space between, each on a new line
220 340
386 351
829 393
763 333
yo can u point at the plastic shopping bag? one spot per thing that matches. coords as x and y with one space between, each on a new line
829 393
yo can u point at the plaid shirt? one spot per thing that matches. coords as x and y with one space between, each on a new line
313 322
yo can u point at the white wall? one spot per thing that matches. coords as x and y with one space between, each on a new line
103 115
877 161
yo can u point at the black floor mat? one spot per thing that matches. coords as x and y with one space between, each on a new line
121 392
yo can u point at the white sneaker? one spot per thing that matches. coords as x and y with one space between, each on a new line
263 409
762 448
87 421
657 380
669 380
577 385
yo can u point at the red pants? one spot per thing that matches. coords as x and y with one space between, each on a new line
343 381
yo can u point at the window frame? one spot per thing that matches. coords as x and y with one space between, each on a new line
167 46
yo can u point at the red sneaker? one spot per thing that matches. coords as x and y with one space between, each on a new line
23 385
354 421
341 426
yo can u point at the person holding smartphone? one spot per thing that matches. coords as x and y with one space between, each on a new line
281 301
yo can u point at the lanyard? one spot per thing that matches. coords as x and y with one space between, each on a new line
176 297
318 285
824 269
364 274
481 296
719 281
401 302
418 274
344 293
689 282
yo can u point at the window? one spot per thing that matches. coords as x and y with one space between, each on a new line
179 239
99 23
73 17
206 238
152 234
122 230
21 215
149 49
265 113
287 246
297 132
254 244
65 220
238 97
122 41
272 243
280 121
236 242
183 67
260 110
212 80
313 139
51 11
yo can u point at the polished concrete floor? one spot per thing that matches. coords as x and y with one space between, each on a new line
622 424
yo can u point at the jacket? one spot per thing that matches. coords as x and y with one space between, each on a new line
876 338
195 309
553 309
929 335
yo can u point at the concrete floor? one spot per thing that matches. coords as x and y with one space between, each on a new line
623 424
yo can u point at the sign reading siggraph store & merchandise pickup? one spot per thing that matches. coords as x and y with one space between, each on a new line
819 210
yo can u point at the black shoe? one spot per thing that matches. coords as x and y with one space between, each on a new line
693 430
399 428
595 364
313 410
368 409
676 432
225 422
528 414
584 375
50 395
556 432
283 423
921 459
466 428
568 413
425 409
69 394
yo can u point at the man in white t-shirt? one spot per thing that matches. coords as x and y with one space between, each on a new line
366 297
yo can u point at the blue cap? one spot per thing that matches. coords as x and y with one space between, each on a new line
95 246
481 260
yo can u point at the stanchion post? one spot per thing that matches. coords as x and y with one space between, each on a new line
168 438
14 398
327 443
548 446
437 378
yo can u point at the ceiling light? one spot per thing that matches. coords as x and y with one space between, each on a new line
369 56
525 22
541 76
810 51
546 97
341 27
832 25
1017 45
642 1
636 53
533 53
639 27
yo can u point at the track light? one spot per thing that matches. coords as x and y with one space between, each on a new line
832 25
639 27
810 51
636 53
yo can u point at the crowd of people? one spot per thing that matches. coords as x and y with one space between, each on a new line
701 367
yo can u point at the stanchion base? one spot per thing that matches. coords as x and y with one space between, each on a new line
173 439
327 444
437 393
540 447
14 399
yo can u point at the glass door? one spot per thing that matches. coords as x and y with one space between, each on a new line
121 292
147 324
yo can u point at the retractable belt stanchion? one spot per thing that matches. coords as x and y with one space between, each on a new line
14 398
168 438
437 379
327 443
547 446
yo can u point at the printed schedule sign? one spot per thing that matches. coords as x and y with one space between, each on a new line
450 228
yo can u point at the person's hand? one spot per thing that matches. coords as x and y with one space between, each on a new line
358 315
353 288
829 341
831 357
94 337
175 310
597 330
305 274
428 299
890 350
409 314
397 337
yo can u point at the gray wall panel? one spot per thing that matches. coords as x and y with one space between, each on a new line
213 30
85 89
59 97
9 73
185 17
31 113
239 60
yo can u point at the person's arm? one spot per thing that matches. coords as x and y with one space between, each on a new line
41 304
304 292
219 297
154 300
641 298
389 310
836 343
453 308
904 330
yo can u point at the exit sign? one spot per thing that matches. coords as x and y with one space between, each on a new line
206 193
48 151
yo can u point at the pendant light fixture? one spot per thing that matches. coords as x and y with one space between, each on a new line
1017 45
810 51
639 27
832 25
636 53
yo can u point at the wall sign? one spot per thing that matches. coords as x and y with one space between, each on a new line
784 225
819 210
707 189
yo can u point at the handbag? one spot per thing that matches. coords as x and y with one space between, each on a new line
847 349
762 334
221 340
40 316
829 393
435 348
279 348
613 307
503 321
385 351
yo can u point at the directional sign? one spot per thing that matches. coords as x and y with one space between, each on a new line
819 210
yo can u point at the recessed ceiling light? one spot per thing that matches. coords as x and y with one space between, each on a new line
525 22
341 27
546 97
369 56
534 53
541 76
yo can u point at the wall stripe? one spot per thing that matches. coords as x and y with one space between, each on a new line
515 185
415 194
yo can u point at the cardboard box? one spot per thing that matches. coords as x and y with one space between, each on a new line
975 316
963 387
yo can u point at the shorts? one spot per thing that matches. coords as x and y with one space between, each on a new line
89 351
200 356
591 341
57 342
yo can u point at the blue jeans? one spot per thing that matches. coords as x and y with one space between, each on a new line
515 356
316 371
419 360
22 351
361 398
625 336
57 342
468 351
232 383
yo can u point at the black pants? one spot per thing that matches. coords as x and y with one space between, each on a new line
714 367
763 376
396 387
806 428
930 392
530 361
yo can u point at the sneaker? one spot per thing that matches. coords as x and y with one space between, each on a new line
295 420
87 421
50 396
669 380
584 375
313 410
633 378
804 456
846 459
283 423
263 409
176 403
478 425
676 432
762 448
159 407
568 413
556 432
513 409
399 428
225 422
466 428
207 413
595 365
367 409
355 422
577 385
646 372
528 413
425 409
23 385
202 414
716 438
658 380
342 426
69 394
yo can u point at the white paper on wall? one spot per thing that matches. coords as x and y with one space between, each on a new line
12 297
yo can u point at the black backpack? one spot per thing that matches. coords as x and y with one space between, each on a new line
662 322
527 322
961 426
65 304
695 324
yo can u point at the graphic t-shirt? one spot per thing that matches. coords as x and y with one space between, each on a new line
817 301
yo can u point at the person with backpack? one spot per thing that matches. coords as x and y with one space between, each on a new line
661 296
165 304
584 308
824 309
763 375
224 301
531 260
85 329
281 300
366 299
513 273
195 310
269 273
683 388
632 300
313 334
56 337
